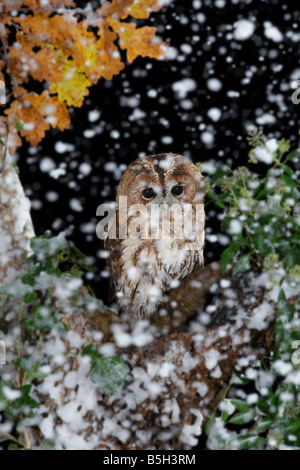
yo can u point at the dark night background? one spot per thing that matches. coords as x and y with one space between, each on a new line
140 112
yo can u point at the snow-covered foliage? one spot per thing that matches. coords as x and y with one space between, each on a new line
82 396
262 218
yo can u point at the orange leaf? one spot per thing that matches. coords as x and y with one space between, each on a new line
56 113
24 62
55 31
33 4
111 63
138 41
116 9
2 65
67 3
25 111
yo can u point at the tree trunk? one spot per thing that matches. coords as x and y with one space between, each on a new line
15 221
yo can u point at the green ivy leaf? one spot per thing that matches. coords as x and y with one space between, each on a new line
43 319
251 442
91 351
48 444
265 407
242 265
30 297
239 379
293 155
289 182
210 424
109 372
243 417
285 314
23 405
240 405
16 168
264 424
31 366
19 291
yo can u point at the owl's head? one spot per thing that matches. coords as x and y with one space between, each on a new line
162 179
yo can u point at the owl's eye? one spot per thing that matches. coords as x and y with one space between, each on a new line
177 190
148 193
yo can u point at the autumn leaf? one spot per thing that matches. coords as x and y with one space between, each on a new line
72 84
33 4
55 112
120 9
116 9
58 3
25 62
66 53
37 113
141 9
55 31
138 41
111 63
73 87
98 57
26 111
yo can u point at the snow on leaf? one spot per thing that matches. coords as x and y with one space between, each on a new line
111 63
116 8
141 9
74 85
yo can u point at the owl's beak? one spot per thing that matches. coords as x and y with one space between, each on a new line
165 201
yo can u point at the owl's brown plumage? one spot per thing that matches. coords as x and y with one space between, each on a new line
160 230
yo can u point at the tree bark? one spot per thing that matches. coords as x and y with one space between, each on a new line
16 227
176 380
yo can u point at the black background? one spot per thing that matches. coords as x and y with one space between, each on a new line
210 51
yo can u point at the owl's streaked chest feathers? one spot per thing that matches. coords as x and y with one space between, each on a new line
147 270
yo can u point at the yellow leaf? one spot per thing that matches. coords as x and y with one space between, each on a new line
138 41
73 86
141 9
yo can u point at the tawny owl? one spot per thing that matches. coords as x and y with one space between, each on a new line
158 235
